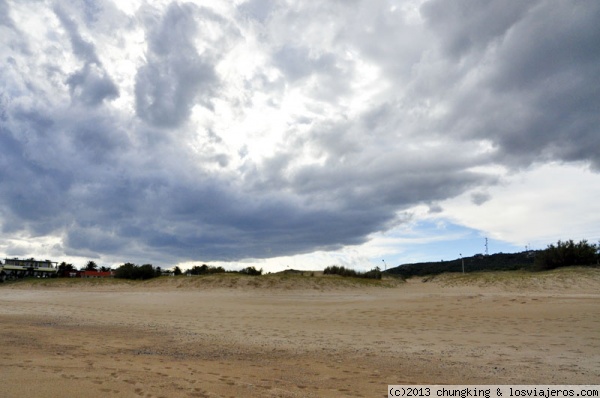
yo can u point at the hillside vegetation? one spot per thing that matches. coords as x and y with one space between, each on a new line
562 254
494 262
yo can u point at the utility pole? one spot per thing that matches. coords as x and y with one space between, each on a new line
486 247
463 262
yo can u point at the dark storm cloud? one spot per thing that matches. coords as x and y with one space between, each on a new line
556 73
378 184
211 222
49 161
176 76
465 27
91 84
28 190
533 77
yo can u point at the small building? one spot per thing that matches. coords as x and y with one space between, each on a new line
96 274
14 268
31 263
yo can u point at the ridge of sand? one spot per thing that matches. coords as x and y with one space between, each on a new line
303 281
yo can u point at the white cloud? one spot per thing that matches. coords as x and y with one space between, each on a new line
537 206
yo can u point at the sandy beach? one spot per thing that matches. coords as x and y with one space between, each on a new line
292 338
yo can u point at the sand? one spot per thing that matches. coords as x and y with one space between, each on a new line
180 339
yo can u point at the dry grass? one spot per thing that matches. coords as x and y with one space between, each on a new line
297 281
582 277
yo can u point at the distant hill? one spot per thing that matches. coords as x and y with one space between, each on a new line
493 262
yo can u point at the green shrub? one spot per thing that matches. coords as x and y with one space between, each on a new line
251 271
132 271
565 254
205 270
375 273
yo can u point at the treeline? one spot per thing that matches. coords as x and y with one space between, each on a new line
479 262
567 253
562 254
147 271
251 271
208 270
65 269
375 273
132 271
205 270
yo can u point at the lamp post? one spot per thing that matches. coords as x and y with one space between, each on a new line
384 265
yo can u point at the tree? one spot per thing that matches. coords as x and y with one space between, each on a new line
146 271
205 269
375 273
177 271
251 271
565 254
64 269
125 271
132 271
91 266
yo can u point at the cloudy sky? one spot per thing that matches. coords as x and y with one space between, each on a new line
285 133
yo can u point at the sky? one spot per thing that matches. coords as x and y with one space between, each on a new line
296 134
